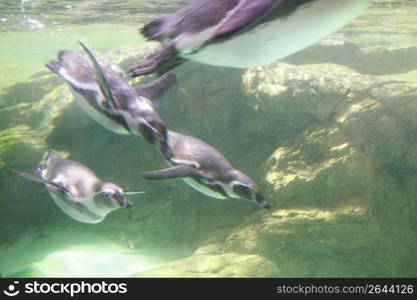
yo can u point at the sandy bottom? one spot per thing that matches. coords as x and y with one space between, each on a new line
77 255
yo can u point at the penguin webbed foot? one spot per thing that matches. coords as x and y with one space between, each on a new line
152 30
172 64
54 66
153 62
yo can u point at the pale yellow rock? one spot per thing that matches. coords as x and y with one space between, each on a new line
223 266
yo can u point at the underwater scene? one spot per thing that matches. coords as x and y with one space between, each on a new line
134 146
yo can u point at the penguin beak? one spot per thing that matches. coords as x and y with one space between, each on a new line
261 201
250 193
122 200
127 204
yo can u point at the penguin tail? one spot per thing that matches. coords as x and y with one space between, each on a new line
62 54
54 66
152 30
65 59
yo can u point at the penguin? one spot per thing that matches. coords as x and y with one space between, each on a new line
102 92
76 190
242 33
206 170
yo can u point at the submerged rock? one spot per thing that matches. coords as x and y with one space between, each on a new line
206 266
333 150
312 242
375 60
345 181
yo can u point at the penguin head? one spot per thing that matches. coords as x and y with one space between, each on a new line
244 188
115 194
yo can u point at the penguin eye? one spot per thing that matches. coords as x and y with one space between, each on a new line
107 194
121 200
243 191
118 197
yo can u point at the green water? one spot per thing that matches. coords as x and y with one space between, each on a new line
329 138
24 53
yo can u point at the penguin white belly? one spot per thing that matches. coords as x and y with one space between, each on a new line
74 213
281 37
203 189
101 211
97 116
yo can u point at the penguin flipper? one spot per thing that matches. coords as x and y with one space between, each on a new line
39 179
157 87
174 172
152 30
102 81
